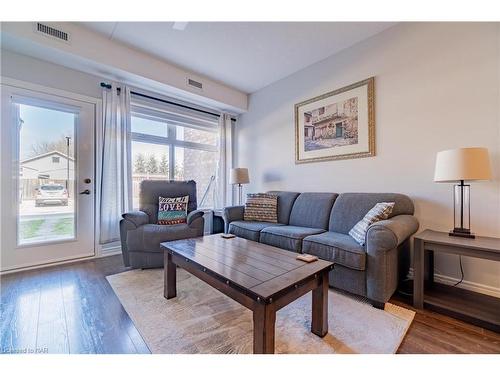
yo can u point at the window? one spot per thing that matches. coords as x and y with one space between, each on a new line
198 165
149 162
142 125
55 159
174 145
196 135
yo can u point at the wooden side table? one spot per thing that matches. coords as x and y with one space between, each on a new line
476 308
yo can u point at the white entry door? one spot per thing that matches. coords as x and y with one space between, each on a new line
47 178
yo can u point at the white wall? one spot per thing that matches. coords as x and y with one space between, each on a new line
436 87
44 73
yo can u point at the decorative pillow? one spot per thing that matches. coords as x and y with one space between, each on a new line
261 207
172 210
380 211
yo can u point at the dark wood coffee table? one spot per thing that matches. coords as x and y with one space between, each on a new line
260 277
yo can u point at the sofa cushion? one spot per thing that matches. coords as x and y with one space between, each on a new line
380 211
312 210
172 210
285 204
336 247
287 237
349 208
249 229
261 207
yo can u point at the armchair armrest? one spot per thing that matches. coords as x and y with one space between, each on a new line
137 218
193 215
233 213
389 234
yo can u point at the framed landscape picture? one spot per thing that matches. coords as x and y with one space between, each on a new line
336 125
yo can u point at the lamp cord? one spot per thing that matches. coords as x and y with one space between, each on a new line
410 294
461 271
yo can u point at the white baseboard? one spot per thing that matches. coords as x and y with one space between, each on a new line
49 264
468 285
115 250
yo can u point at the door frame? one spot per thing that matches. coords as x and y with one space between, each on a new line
97 103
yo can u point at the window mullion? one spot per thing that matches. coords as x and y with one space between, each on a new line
171 152
147 138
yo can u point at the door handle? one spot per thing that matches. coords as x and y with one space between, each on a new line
87 192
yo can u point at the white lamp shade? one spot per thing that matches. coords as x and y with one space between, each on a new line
466 164
239 176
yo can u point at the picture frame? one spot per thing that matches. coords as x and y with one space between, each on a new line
337 125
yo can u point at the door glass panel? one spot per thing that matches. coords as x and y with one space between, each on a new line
46 174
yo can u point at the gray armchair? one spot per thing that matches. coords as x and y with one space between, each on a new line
141 235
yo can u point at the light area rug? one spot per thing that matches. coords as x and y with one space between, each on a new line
203 320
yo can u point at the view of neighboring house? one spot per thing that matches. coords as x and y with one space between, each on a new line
51 167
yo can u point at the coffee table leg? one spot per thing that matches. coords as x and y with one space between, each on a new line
319 323
264 319
170 277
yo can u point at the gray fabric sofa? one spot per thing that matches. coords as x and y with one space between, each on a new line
319 224
141 235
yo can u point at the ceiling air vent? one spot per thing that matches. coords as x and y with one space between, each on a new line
195 84
52 32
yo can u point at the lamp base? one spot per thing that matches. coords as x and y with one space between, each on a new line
462 232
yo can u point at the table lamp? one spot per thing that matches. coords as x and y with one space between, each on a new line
460 165
239 176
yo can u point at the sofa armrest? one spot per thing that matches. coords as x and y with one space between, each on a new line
233 213
385 246
388 234
193 215
137 218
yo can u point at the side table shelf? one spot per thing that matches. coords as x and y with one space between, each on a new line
479 309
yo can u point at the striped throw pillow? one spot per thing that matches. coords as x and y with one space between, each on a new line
172 210
380 211
261 207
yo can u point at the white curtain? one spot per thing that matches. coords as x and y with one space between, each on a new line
116 197
221 187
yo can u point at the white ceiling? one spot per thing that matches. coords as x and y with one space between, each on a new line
245 55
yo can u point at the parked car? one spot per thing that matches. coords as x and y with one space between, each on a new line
51 194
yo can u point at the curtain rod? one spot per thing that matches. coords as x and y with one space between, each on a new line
108 86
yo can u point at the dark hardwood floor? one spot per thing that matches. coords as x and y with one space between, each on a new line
67 309
72 309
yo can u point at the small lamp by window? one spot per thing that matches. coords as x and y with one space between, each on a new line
239 176
460 165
